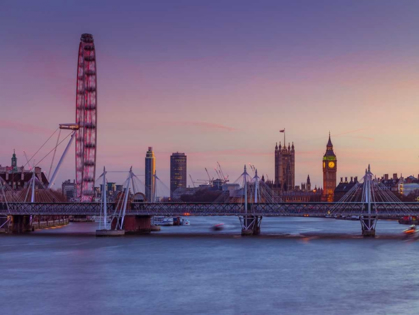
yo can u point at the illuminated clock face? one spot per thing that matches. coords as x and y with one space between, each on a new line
331 164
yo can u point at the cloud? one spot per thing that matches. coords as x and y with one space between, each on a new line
231 152
364 138
179 125
205 125
350 131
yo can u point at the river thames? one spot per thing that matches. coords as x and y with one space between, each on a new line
296 266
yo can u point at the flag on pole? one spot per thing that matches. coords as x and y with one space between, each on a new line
283 130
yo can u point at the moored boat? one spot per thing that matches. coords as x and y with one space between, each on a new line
163 221
408 219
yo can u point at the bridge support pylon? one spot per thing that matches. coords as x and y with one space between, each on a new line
369 220
139 224
21 224
368 224
250 225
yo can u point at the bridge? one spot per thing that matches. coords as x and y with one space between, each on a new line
138 215
367 202
382 210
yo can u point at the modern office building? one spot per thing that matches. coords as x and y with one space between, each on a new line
150 170
177 171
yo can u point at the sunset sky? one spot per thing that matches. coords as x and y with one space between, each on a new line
218 80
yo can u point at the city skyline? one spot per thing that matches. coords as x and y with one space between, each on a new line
214 157
221 97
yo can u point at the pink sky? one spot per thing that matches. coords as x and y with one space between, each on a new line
220 99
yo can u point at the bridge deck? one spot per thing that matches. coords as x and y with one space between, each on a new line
313 209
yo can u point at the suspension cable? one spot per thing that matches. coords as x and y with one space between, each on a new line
53 149
41 147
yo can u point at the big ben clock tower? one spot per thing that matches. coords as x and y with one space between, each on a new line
329 172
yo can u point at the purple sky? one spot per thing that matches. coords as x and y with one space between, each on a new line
217 80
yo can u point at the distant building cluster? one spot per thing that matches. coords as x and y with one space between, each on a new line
19 177
407 188
17 183
281 189
344 187
112 191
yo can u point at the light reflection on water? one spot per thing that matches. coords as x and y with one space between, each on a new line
297 266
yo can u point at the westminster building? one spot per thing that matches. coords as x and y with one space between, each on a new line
329 172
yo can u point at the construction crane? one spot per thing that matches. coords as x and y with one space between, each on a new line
220 170
193 183
209 177
218 174
252 168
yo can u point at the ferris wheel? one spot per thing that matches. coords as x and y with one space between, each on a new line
86 118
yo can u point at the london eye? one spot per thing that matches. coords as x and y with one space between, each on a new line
86 118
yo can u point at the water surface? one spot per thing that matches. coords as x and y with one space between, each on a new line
297 266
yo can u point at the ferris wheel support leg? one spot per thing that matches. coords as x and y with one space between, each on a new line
51 183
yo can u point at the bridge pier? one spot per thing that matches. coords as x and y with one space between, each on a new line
250 225
21 224
368 226
139 224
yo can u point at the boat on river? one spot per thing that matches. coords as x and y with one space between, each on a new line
162 221
408 219
218 227
411 230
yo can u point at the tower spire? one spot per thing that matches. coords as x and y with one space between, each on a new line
329 143
14 161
